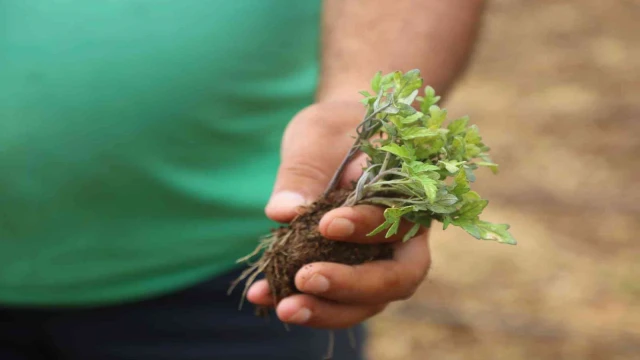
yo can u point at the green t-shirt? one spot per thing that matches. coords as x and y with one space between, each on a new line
139 139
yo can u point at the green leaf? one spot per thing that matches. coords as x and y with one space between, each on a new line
412 118
387 81
376 103
470 227
497 232
406 110
429 99
429 185
437 116
444 203
409 86
434 175
368 149
368 101
447 199
375 82
484 156
410 82
441 209
461 184
457 149
389 129
434 145
396 213
469 173
417 133
471 151
398 150
420 217
393 229
392 216
472 209
452 166
492 166
397 121
472 135
390 109
446 221
485 230
408 99
458 126
392 220
397 79
365 94
411 233
471 196
419 167
443 133
380 228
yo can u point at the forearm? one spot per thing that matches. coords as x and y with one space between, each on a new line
360 38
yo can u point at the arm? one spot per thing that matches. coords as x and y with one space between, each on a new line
360 38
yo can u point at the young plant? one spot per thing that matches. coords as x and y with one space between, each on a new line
417 168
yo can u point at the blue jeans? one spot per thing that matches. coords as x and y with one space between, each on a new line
199 323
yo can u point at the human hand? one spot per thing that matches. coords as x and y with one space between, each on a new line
336 295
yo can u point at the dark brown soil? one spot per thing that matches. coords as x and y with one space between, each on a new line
300 244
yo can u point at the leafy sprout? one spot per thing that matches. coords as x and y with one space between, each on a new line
421 165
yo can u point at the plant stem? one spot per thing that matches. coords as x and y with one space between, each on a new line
385 163
382 174
366 134
388 182
338 174
386 200
359 193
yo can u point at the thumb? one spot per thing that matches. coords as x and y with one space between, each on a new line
313 146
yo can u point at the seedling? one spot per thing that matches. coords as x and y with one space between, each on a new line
417 170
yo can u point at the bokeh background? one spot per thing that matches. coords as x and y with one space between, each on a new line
555 89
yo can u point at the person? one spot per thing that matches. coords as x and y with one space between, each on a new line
139 142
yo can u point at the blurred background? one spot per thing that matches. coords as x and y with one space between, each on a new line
554 88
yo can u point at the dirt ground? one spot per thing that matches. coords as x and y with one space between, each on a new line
554 88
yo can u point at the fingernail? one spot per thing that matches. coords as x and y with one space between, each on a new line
302 316
340 227
316 284
285 201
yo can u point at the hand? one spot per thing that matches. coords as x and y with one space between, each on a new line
336 295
